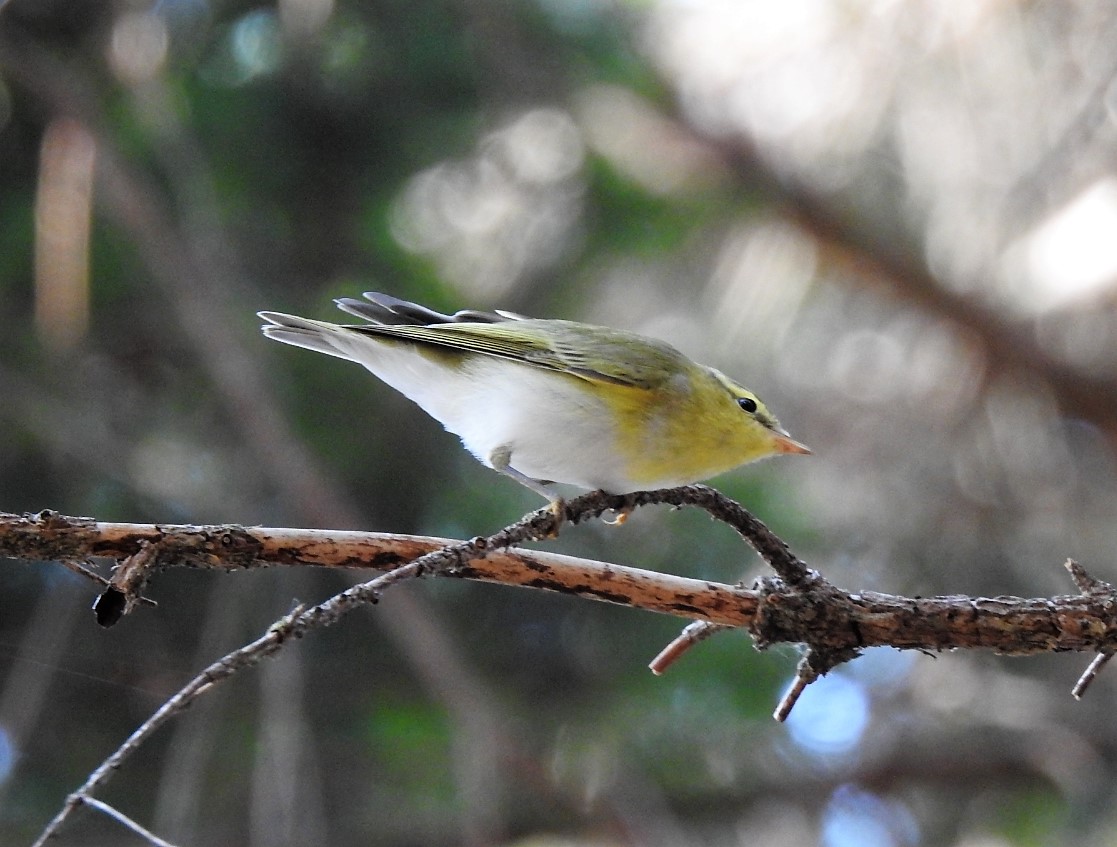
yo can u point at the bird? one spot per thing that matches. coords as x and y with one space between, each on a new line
549 402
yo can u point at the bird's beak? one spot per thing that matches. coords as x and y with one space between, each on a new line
786 444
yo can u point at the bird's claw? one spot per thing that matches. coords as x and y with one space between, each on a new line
619 520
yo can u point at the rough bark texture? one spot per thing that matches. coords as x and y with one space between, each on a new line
809 611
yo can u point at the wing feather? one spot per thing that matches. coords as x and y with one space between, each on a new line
593 353
596 354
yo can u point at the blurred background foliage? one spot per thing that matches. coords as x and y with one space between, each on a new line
897 221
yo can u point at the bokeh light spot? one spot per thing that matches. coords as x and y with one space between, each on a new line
1073 255
8 754
856 818
254 43
830 717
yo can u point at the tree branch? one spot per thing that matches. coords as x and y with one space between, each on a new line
49 536
798 606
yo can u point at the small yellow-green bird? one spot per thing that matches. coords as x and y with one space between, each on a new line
552 401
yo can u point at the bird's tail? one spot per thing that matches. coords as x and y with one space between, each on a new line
320 336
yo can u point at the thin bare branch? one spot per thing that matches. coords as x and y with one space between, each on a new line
1090 674
125 821
692 634
804 676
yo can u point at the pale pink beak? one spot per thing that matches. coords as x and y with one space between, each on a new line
786 444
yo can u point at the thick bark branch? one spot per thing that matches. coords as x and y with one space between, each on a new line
49 536
797 605
811 612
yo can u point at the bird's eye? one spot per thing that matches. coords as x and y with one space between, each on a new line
747 403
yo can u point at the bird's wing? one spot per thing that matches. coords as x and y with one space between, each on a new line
386 309
595 354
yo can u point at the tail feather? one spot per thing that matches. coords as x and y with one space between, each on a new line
391 311
302 332
381 310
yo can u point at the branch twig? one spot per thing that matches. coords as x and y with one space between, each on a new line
1094 587
1090 674
125 821
692 634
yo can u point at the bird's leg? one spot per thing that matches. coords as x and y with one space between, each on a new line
501 459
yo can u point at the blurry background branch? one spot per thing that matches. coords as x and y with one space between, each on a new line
852 250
